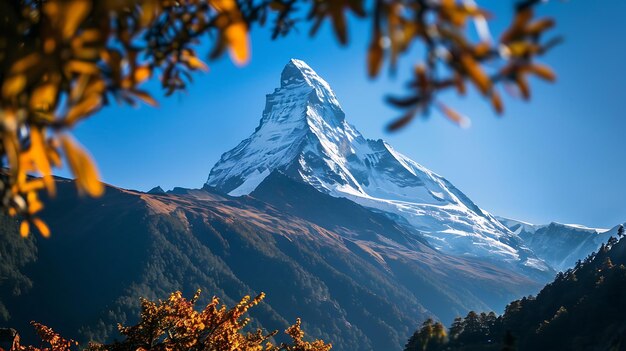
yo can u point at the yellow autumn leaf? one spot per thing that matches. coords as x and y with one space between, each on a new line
482 49
44 96
25 63
238 42
141 74
447 4
31 186
149 11
476 74
236 33
34 207
90 35
14 85
195 63
67 15
82 67
81 110
24 229
87 178
40 159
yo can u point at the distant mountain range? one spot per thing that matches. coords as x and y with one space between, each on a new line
347 233
560 245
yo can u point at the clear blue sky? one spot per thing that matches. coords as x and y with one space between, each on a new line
561 157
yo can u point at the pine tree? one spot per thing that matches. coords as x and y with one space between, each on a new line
413 343
620 231
456 328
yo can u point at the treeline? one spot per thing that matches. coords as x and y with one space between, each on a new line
584 308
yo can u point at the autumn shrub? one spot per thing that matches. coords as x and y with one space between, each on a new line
174 324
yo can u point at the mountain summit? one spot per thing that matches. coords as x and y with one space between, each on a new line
304 134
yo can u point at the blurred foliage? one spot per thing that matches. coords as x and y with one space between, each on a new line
175 325
587 299
63 60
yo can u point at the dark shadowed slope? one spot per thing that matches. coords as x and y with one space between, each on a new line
356 278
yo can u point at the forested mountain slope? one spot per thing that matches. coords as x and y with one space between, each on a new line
584 308
357 279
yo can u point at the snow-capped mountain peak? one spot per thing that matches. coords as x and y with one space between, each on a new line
304 134
298 72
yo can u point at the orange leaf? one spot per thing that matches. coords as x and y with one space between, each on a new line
40 158
142 73
238 42
87 178
81 110
482 49
13 85
543 71
236 33
448 3
496 101
195 63
277 6
539 26
339 24
42 227
24 229
519 22
460 84
454 116
374 57
34 207
477 75
44 96
523 86
82 67
67 15
145 97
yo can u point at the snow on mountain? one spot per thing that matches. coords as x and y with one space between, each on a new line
559 245
303 133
